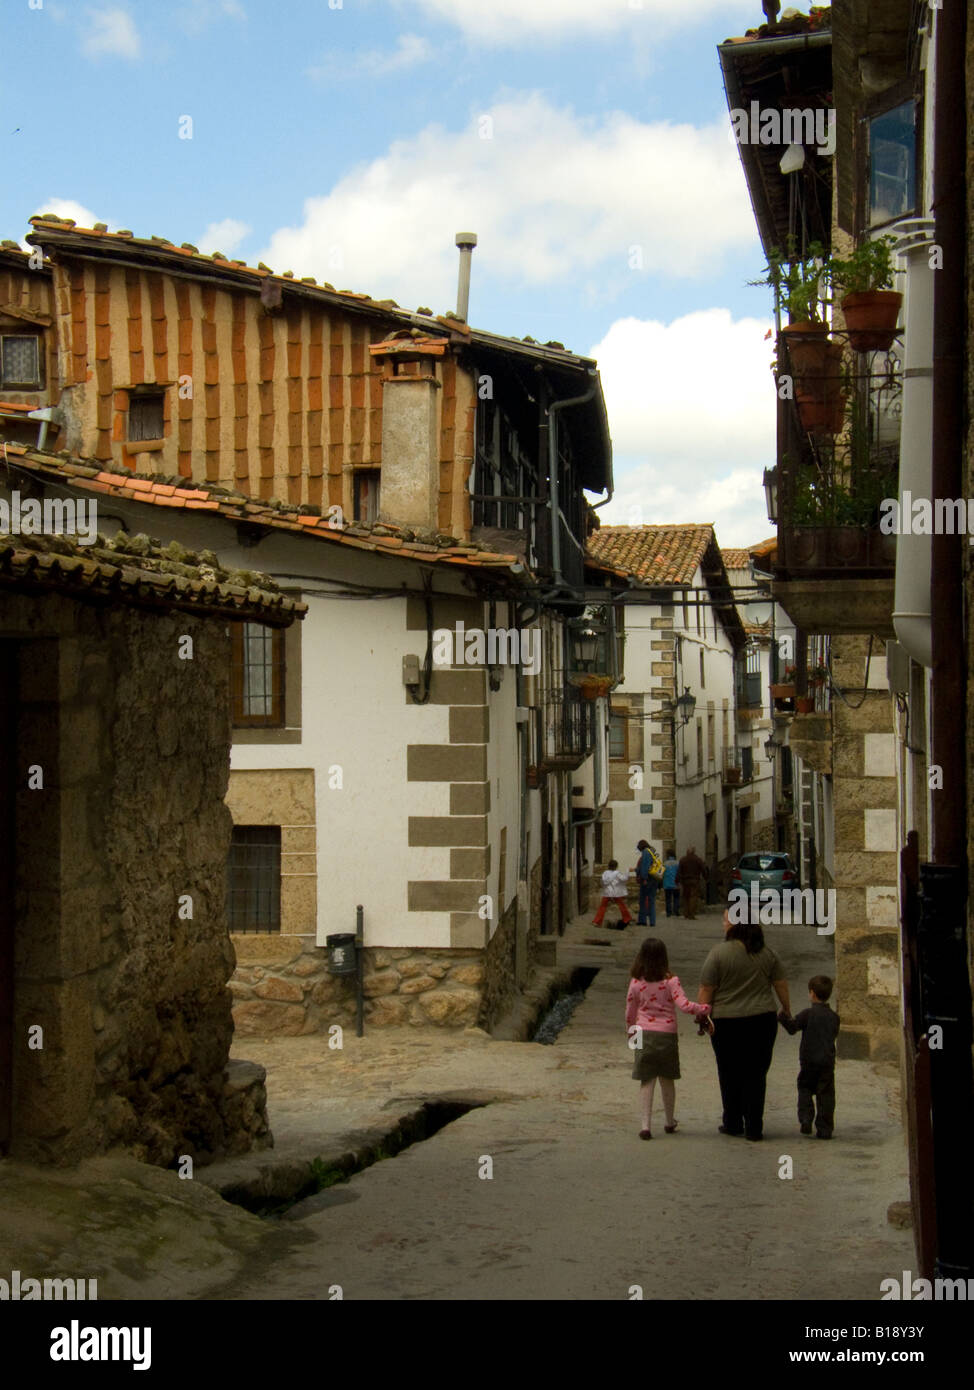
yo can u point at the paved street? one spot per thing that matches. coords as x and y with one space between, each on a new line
577 1206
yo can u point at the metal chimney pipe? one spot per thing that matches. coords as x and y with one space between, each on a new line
466 242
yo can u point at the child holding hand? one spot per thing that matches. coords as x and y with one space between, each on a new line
651 1004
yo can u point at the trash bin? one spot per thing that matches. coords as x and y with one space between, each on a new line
341 954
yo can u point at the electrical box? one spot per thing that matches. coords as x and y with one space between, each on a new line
410 670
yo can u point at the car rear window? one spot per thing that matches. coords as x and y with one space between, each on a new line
763 862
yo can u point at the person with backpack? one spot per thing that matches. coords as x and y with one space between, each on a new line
649 873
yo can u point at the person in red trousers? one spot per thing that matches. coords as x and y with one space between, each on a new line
614 890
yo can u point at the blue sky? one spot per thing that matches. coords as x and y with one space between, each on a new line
585 141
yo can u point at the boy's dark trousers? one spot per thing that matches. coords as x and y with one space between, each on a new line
816 1093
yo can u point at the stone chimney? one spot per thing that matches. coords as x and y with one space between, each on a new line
409 490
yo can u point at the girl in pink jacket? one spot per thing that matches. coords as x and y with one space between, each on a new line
651 1004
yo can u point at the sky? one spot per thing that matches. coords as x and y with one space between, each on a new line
586 142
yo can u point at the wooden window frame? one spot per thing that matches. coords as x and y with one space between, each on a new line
276 718
38 383
897 95
141 397
621 712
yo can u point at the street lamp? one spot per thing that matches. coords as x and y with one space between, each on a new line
685 705
771 493
770 749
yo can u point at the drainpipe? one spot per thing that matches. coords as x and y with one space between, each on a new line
944 924
554 498
911 605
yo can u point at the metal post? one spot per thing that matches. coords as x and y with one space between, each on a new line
360 965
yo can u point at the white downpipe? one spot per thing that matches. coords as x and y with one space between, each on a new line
911 603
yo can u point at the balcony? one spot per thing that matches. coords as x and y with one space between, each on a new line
738 769
567 731
838 457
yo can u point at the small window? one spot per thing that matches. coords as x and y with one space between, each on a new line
699 744
20 359
146 416
703 670
257 675
618 735
254 878
365 497
892 164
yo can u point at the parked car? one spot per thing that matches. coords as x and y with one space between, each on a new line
767 869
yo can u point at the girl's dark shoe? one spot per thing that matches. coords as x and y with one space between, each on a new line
734 1133
670 1129
754 1138
645 1134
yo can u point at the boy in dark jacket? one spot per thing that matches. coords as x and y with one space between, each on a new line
818 1026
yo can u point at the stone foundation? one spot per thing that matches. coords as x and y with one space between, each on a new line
282 987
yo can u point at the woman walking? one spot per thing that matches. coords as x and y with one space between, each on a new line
651 1004
740 979
671 883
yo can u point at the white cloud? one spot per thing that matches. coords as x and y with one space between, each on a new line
691 408
552 196
111 31
194 18
507 22
223 236
410 51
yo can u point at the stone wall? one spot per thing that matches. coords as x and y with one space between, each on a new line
866 858
500 973
281 987
121 949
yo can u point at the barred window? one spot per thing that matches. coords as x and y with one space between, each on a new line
254 879
618 734
20 360
257 675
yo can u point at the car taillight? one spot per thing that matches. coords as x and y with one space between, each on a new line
787 876
736 874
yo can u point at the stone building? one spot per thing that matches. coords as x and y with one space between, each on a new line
683 775
115 1022
895 80
399 472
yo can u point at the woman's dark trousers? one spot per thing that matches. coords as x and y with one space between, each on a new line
743 1048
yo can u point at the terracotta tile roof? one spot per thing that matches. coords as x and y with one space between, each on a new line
735 559
764 548
16 405
431 547
654 554
99 240
132 570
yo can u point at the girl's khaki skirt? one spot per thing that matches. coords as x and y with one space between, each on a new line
659 1056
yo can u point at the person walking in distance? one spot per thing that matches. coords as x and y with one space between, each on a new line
649 872
671 883
614 890
818 1026
651 1004
692 869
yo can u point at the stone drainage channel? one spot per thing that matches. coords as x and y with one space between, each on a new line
561 1008
296 1190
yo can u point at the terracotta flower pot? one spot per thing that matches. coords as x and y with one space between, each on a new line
783 692
805 704
821 415
870 318
808 347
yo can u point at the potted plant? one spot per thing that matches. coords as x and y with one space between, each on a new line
591 687
804 704
869 303
818 675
